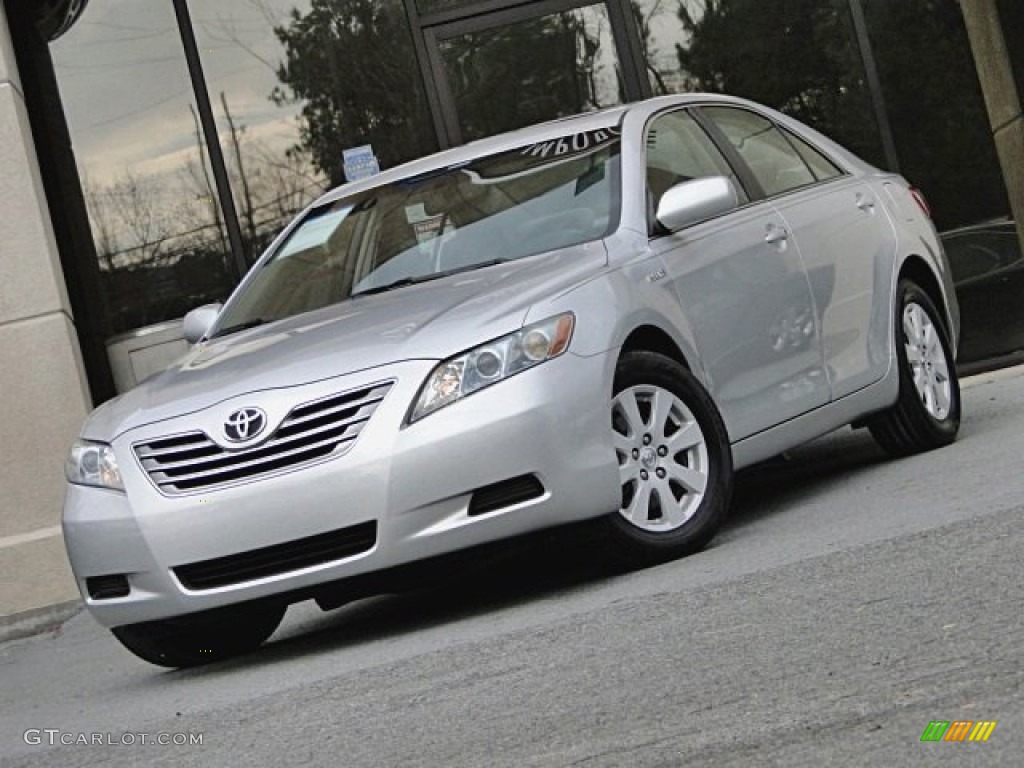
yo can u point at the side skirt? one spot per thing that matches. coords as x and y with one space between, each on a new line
856 405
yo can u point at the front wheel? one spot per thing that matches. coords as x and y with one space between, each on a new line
927 413
189 641
674 458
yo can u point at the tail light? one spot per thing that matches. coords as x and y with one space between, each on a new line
921 202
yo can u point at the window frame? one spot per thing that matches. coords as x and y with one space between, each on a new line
796 140
744 170
746 183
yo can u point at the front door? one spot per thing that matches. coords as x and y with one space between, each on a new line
528 64
742 286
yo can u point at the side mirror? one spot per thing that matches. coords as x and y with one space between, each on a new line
691 201
199 321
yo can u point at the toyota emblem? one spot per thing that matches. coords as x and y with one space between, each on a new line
244 424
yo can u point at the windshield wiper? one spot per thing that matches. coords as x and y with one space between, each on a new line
426 278
238 327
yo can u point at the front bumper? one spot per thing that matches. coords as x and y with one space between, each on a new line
414 483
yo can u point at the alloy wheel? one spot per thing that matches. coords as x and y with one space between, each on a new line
663 458
927 360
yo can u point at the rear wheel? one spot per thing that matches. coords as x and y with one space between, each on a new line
675 463
927 413
189 641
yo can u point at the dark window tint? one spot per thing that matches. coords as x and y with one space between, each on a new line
772 159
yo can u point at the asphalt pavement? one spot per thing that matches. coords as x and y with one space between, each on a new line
850 601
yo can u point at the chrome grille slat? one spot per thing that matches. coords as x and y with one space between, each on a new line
202 441
361 415
225 458
295 420
191 462
162 477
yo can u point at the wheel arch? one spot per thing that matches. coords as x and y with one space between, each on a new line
651 338
916 268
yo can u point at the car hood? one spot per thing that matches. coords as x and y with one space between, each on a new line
432 320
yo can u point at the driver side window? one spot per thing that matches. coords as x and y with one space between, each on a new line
679 150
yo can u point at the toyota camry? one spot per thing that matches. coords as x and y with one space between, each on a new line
596 319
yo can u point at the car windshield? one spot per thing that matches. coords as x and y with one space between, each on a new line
497 208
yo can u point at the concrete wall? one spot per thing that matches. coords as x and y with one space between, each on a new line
43 393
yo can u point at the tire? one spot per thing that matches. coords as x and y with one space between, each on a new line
204 638
675 462
927 413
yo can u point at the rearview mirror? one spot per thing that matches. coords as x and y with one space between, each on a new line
199 321
696 200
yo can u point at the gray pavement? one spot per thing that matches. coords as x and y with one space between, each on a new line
850 601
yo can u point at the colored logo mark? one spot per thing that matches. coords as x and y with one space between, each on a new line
958 730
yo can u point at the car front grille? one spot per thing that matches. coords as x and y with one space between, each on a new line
279 558
192 462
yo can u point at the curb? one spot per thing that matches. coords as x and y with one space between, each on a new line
37 620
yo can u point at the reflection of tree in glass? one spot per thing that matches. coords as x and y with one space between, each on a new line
800 56
159 239
519 74
351 63
936 108
650 15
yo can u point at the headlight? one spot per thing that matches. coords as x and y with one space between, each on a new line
92 463
489 363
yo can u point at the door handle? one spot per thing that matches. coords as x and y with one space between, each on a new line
865 203
776 235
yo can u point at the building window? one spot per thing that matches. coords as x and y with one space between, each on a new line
936 108
571 66
799 57
292 85
155 217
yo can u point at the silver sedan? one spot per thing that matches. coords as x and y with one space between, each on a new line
596 319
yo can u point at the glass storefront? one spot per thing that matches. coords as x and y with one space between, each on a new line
240 54
936 109
801 58
573 67
279 75
293 83
351 66
156 221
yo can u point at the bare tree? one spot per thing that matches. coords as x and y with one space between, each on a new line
101 219
141 220
203 176
288 182
247 209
